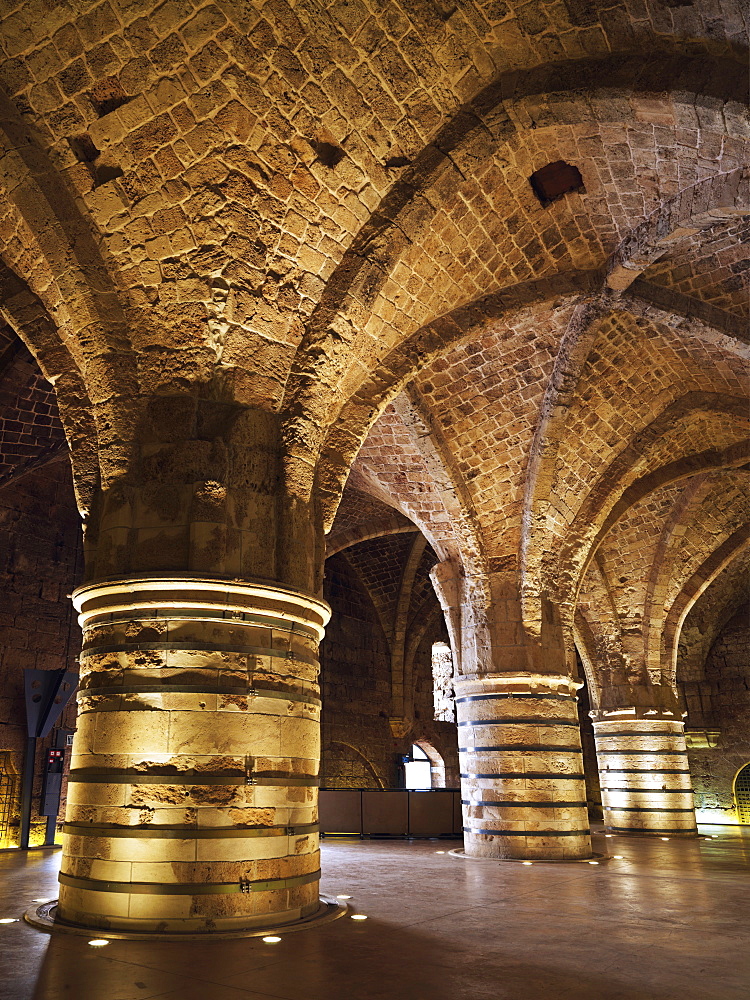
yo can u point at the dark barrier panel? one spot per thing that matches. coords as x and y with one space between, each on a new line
391 813
340 811
431 814
385 814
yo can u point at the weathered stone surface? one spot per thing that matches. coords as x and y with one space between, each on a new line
273 259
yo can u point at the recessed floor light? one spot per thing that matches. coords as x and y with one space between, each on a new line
98 942
593 862
609 834
527 862
8 920
358 916
38 900
439 852
665 838
343 897
271 939
618 857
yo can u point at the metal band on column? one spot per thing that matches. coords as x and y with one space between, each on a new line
522 784
192 804
644 774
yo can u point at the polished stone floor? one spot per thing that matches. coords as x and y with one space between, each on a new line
667 921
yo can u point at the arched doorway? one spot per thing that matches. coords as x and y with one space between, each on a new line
417 770
742 793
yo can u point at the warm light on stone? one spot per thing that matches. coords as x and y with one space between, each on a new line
644 775
522 786
193 788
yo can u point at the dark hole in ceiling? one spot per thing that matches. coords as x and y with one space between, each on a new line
550 183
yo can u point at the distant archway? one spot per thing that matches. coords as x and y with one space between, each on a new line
742 793
425 767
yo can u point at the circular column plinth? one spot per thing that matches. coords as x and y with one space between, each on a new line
523 791
644 774
192 798
45 918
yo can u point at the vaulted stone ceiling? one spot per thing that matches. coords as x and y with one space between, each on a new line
325 211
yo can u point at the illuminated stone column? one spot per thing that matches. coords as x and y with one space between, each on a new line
522 784
644 773
192 803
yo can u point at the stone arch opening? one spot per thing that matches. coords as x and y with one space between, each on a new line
742 794
436 762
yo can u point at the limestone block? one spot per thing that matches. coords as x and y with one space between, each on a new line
85 793
141 850
121 732
247 849
201 734
159 908
301 737
79 905
114 871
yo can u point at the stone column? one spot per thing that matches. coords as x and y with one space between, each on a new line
192 802
522 782
644 773
193 792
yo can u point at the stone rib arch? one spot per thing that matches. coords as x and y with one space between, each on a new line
687 316
66 273
65 257
663 563
620 486
450 484
26 315
362 756
714 199
401 693
384 383
707 618
343 540
405 211
731 549
590 627
583 639
574 350
448 521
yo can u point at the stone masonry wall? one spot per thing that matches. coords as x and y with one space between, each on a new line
40 562
442 736
727 686
355 688
359 749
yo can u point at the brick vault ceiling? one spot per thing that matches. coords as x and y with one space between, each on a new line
326 209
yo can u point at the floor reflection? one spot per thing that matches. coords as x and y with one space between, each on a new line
665 920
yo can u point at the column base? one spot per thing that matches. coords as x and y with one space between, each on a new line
653 834
586 859
44 918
